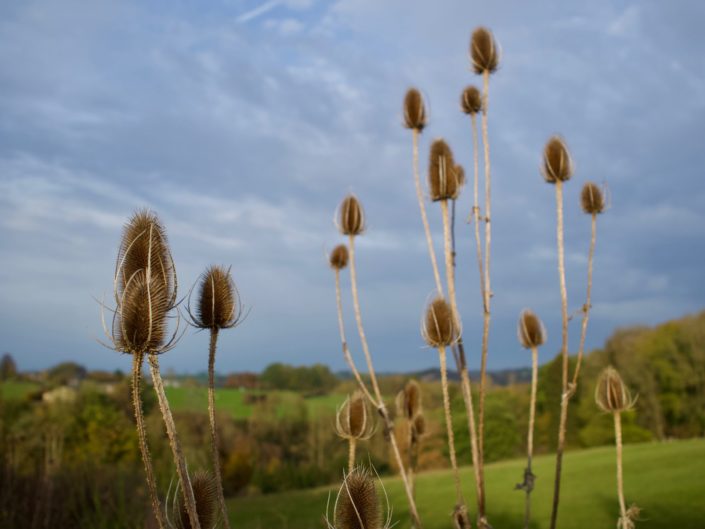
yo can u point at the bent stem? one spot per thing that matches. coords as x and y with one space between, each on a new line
142 437
588 304
211 416
565 396
179 460
377 401
449 426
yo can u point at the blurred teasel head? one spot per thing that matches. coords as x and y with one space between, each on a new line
409 400
592 199
357 505
339 257
205 492
484 51
354 419
219 305
419 424
530 330
439 328
443 181
471 100
611 393
414 110
351 216
557 163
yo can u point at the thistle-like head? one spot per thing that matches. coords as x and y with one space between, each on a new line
439 327
443 176
557 163
484 51
471 100
530 330
205 492
409 400
354 419
611 393
592 199
338 258
414 110
357 505
218 305
351 216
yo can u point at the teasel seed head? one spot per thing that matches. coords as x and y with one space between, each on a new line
460 178
439 329
471 100
530 330
442 178
357 505
409 400
351 216
414 110
339 257
592 199
461 519
419 424
557 163
611 393
205 492
484 51
354 419
219 305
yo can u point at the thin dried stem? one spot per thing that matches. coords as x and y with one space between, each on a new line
213 428
620 479
351 453
449 425
529 477
476 209
588 303
179 460
142 437
565 396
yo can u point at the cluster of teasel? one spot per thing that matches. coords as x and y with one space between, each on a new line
145 290
441 324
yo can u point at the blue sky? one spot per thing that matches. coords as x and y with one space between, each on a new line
244 123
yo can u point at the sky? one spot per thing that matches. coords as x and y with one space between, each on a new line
244 123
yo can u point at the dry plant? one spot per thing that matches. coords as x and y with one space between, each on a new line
354 422
410 409
219 307
205 491
357 504
613 396
532 335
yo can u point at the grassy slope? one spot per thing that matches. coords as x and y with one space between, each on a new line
13 390
667 480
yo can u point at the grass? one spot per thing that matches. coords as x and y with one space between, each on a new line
15 390
665 479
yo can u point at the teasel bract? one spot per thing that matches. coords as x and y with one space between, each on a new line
357 504
532 335
218 307
205 491
354 422
613 396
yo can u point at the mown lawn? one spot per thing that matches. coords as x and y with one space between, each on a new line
667 480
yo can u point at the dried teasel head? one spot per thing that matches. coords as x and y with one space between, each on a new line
461 519
354 419
460 177
409 400
611 393
219 305
419 424
357 505
592 199
442 177
484 51
414 110
351 216
205 492
557 163
530 330
471 100
339 257
439 328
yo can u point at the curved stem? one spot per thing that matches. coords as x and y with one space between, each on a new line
142 437
449 425
588 302
351 454
214 435
179 460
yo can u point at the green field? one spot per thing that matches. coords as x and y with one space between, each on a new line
667 480
14 390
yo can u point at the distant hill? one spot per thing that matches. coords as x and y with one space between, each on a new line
500 377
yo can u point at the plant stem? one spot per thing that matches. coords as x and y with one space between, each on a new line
588 300
449 425
351 454
179 460
476 210
528 475
565 397
142 437
620 480
378 401
214 435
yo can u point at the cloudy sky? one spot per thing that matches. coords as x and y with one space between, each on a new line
243 123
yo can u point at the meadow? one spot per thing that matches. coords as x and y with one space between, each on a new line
666 478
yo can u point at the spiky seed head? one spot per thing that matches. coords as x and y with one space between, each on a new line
592 199
351 216
357 505
339 257
140 321
460 178
205 492
471 100
557 163
218 300
420 424
414 110
484 51
530 330
442 177
144 246
409 400
354 419
611 393
439 329
461 519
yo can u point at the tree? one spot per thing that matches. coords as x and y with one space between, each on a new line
8 367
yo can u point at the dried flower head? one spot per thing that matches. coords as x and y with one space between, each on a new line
461 519
219 305
530 330
611 393
557 164
419 424
351 216
414 110
353 419
442 177
439 329
592 199
339 257
460 177
483 51
357 505
471 100
205 492
409 400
